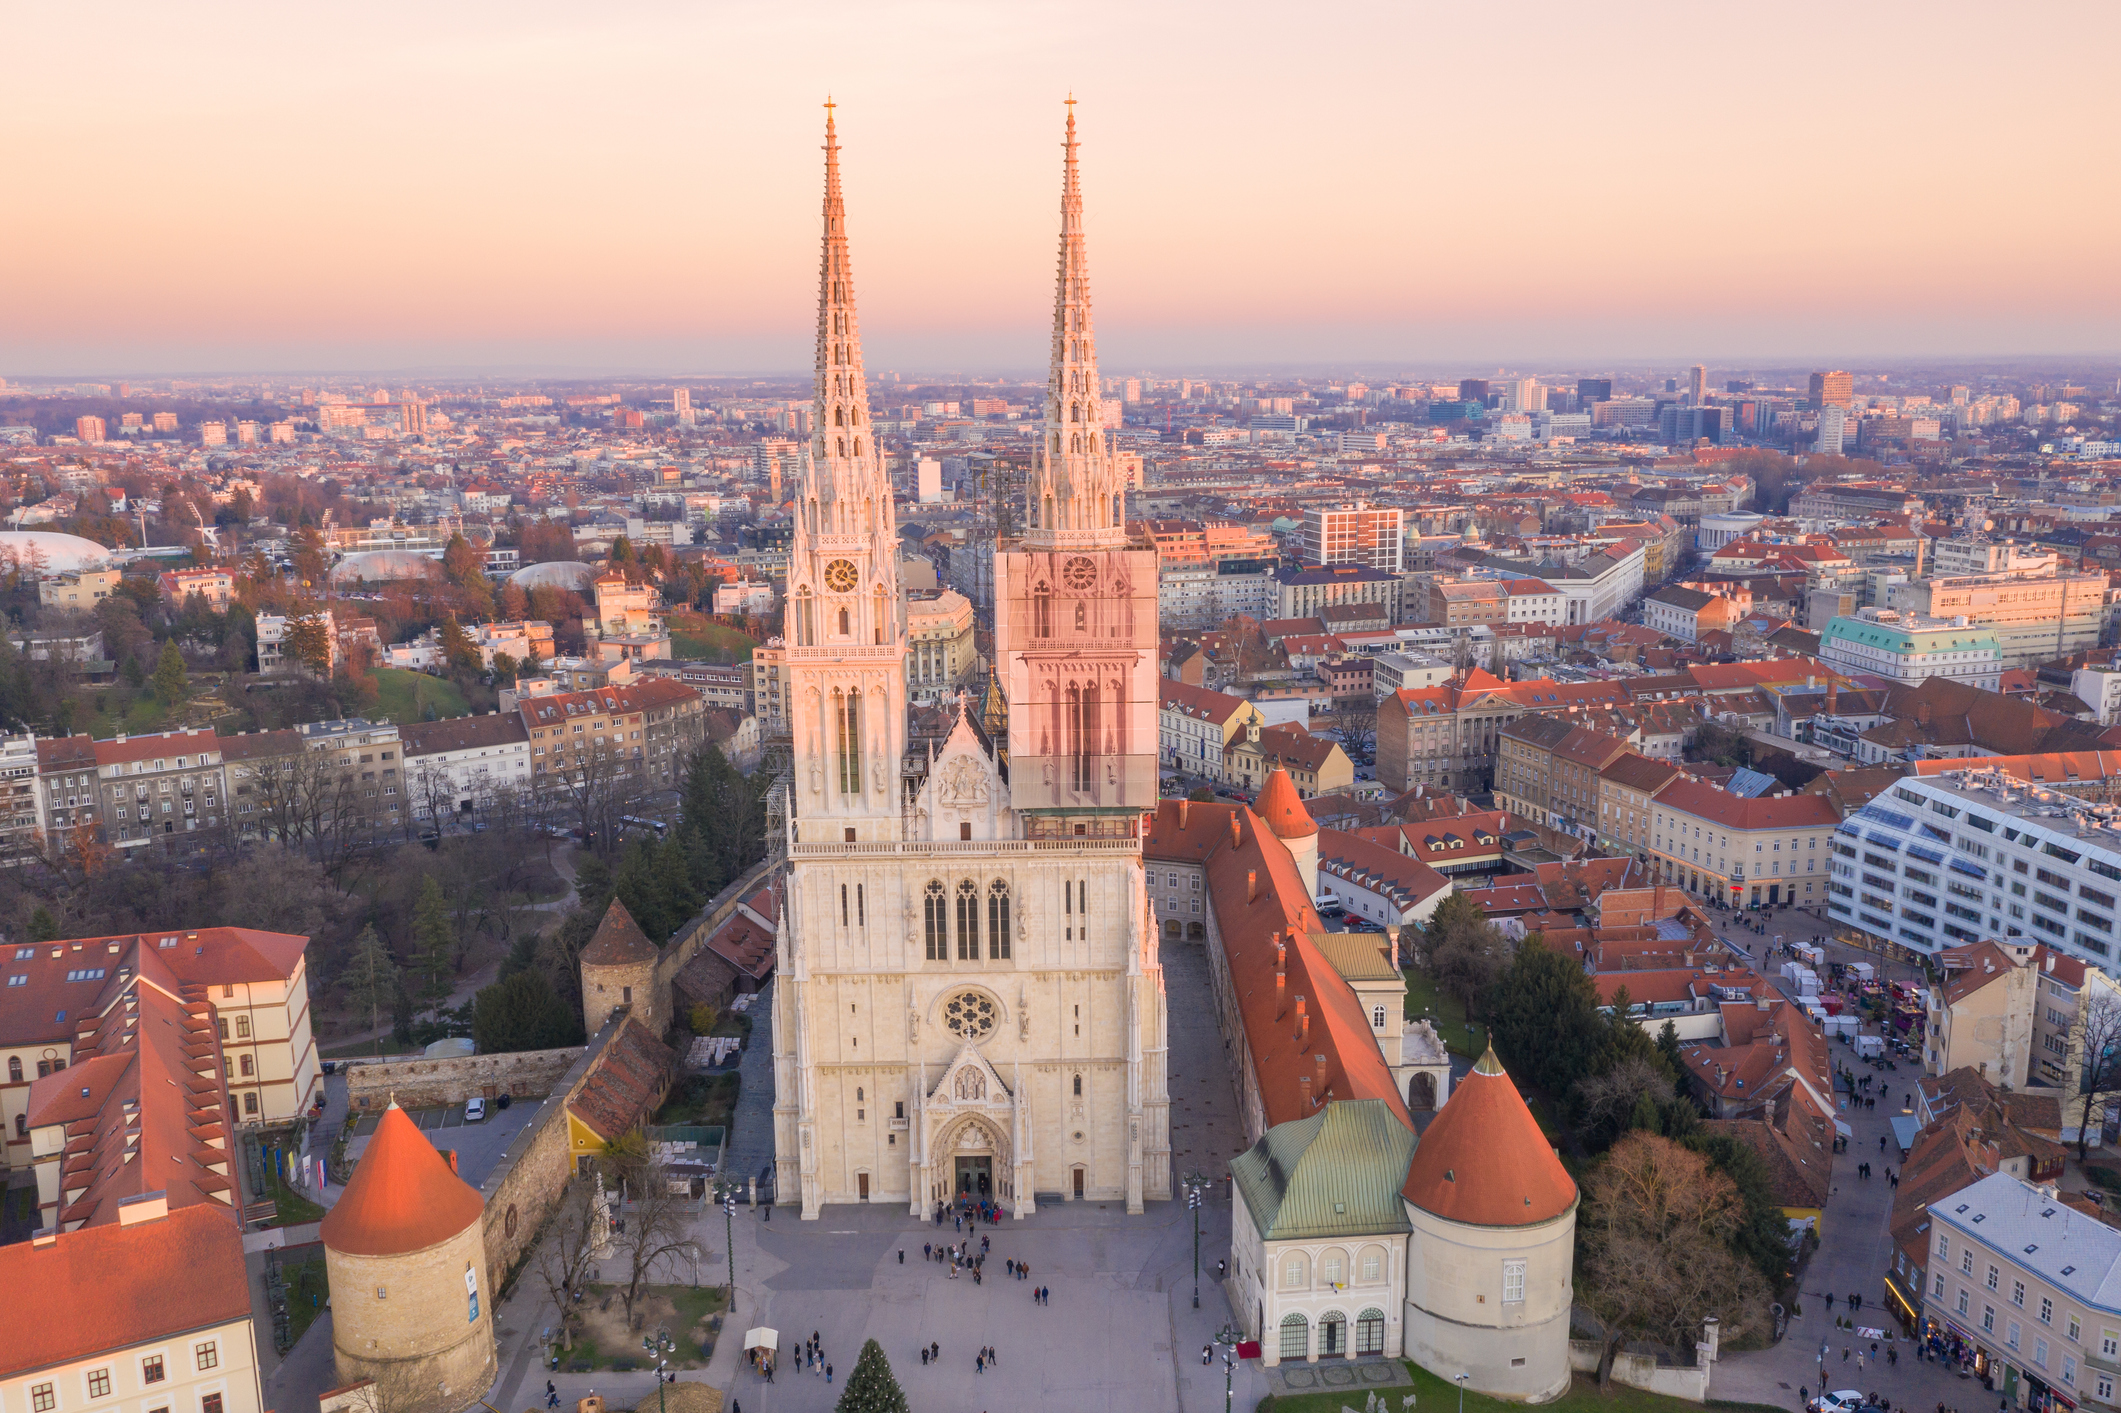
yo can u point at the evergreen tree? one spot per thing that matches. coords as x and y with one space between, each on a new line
1668 1046
592 887
457 648
371 978
1544 1017
520 1012
41 926
434 941
641 890
872 1388
132 673
169 675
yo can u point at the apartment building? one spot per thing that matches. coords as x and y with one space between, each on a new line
216 586
641 731
78 589
1686 613
1970 854
1448 735
1195 727
1356 534
769 702
359 776
164 788
1743 849
1626 786
68 792
1302 593
274 656
2028 1281
454 768
1547 768
2015 1013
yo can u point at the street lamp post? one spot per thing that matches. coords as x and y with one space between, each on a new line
1462 1391
1196 1184
658 1347
1227 1337
728 1193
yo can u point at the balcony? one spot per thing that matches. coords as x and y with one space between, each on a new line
959 848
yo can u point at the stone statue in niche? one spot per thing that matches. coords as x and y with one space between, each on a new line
913 1026
971 1084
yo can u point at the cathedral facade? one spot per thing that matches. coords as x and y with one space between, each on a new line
970 999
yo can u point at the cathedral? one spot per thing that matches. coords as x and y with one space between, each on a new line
970 998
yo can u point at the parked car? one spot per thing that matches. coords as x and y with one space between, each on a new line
474 1111
1845 1400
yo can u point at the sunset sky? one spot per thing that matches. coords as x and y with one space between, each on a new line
538 187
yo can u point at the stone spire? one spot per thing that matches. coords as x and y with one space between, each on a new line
1075 496
844 492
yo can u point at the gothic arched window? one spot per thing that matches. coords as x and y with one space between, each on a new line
847 709
936 912
839 417
880 618
998 921
1075 412
805 618
1082 617
844 630
843 446
1042 608
1078 1086
968 921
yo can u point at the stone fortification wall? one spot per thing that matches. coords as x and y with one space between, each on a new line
525 1185
451 1081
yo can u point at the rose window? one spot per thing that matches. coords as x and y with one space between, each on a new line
969 1015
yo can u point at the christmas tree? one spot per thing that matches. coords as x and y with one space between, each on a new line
871 1388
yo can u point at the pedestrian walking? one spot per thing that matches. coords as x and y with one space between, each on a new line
935 1350
1207 1354
924 1356
828 1374
1844 1354
902 1256
979 1364
927 1251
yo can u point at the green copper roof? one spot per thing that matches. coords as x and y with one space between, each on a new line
1336 1173
1893 637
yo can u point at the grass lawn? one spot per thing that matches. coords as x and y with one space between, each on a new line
307 1290
1425 1000
681 1309
403 696
1441 1396
292 1207
699 639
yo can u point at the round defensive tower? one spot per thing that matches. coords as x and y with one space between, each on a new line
1283 810
1489 1268
405 1252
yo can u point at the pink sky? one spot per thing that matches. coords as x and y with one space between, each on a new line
636 186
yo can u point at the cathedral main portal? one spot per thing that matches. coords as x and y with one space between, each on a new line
975 1177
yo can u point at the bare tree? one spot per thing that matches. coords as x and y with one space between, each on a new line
656 1228
1653 1249
1608 1100
564 1252
1356 721
2099 1061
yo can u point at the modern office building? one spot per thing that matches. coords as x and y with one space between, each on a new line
1355 534
1940 860
1836 389
1590 390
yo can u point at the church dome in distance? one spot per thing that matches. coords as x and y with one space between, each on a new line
402 1196
1484 1162
1282 808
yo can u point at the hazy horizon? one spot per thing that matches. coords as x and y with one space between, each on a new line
540 188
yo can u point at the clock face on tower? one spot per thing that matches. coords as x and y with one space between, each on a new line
1079 573
840 575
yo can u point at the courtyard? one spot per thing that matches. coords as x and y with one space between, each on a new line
1120 1331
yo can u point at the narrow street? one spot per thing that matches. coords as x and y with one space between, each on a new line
1855 1245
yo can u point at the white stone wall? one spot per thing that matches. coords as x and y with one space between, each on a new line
1457 1320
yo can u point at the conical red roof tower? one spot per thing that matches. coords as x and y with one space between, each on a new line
1282 808
402 1196
1484 1161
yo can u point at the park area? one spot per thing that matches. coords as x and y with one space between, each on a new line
608 1340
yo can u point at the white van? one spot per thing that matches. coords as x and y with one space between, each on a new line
1329 905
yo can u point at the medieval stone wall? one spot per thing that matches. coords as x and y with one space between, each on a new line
414 1083
526 1184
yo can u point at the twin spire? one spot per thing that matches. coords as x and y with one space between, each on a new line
1074 497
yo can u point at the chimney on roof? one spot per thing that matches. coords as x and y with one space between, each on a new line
1392 936
1303 1021
1281 994
1319 1060
1303 1084
1182 812
1251 884
1235 837
1922 712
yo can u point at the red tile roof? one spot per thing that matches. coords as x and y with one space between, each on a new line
402 1196
1282 808
1484 1161
1260 901
182 1272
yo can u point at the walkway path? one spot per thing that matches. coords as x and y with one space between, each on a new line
751 1129
1855 1249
